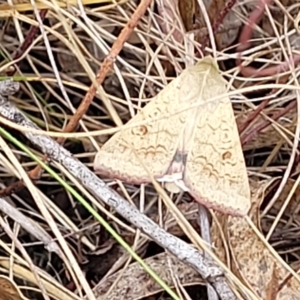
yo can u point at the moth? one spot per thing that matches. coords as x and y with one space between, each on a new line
191 140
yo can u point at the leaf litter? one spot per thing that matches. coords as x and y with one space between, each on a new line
269 143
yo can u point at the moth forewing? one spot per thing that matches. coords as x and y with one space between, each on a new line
215 172
155 142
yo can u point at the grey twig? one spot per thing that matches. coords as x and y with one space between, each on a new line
206 268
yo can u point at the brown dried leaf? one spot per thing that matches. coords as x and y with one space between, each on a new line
9 290
187 11
251 260
136 284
